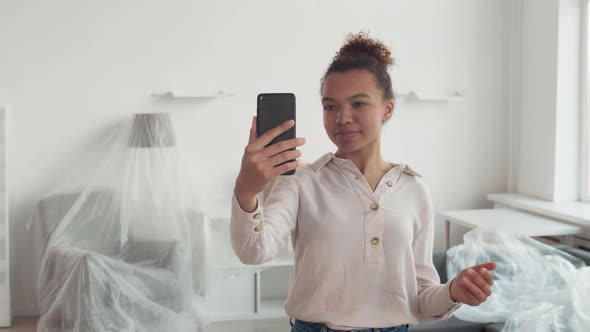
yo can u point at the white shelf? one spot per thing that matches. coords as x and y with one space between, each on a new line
280 262
271 308
431 96
243 268
224 316
192 95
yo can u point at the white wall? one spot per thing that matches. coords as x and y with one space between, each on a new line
71 69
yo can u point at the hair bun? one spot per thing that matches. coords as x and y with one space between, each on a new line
358 45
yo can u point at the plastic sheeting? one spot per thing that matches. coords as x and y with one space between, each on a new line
126 251
536 287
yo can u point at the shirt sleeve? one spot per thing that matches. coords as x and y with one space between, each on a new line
434 298
256 237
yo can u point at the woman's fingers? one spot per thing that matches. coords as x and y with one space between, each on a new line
488 265
476 284
473 290
256 170
284 168
267 137
259 159
487 276
283 157
252 131
283 146
469 298
259 144
480 283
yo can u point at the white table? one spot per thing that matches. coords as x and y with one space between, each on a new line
508 220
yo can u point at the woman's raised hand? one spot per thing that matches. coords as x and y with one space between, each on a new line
473 285
260 162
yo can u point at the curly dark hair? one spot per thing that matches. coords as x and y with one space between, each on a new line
361 52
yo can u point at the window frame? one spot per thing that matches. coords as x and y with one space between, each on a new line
584 173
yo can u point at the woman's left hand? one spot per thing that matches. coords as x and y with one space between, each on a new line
473 285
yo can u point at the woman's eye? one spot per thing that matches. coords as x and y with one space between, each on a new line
329 108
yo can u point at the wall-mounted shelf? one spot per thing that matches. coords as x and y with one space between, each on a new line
192 95
431 96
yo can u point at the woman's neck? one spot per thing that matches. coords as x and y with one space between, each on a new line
367 159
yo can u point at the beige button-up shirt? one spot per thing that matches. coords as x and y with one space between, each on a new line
363 259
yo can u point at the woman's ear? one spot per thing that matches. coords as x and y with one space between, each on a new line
389 107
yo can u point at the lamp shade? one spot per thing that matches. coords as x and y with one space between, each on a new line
152 130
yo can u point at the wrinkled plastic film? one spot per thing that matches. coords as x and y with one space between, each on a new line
128 246
536 287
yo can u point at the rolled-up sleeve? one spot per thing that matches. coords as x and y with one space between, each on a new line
257 237
434 298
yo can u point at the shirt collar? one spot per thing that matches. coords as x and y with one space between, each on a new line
410 171
323 160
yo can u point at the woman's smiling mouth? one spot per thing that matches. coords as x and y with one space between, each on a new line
346 135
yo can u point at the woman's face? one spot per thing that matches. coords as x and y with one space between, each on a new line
354 109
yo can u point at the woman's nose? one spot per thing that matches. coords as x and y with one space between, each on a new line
344 116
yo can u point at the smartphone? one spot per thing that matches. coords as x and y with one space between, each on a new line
272 110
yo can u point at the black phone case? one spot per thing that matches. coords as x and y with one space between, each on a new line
272 110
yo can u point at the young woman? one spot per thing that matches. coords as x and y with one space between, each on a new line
362 228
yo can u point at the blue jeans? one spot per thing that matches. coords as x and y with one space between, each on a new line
301 326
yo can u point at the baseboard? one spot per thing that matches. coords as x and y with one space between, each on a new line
25 312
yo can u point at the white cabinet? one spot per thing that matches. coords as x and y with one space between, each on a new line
248 295
273 285
5 311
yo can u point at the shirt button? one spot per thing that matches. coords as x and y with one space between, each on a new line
256 216
374 206
375 241
258 228
389 183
